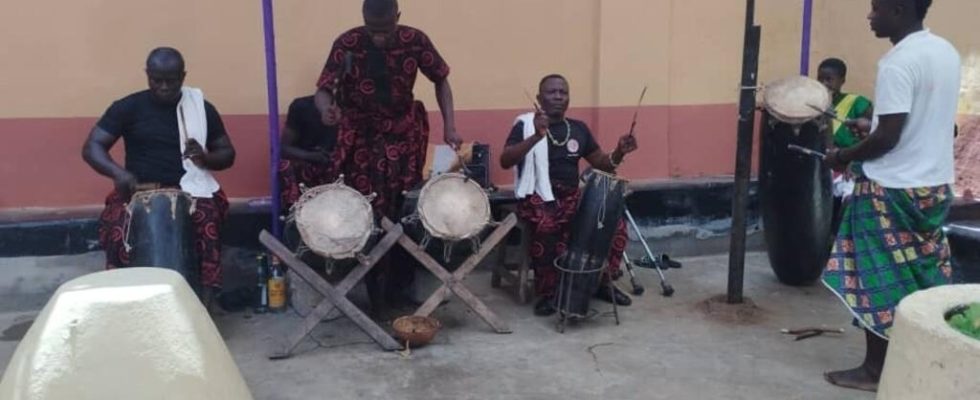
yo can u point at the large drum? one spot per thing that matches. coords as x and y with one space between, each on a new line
161 232
795 189
334 221
601 205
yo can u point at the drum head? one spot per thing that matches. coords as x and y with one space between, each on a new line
146 197
453 207
792 100
335 221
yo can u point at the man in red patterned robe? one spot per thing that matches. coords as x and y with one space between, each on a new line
383 132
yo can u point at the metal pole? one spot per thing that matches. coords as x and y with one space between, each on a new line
805 45
743 156
273 95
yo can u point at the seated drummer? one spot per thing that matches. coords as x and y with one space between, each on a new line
833 74
550 202
305 149
147 121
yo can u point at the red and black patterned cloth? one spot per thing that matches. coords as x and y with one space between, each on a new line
384 132
208 216
550 224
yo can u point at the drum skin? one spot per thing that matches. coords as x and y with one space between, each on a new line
453 207
603 198
335 220
161 233
796 199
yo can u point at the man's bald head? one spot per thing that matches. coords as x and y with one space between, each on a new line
380 8
165 74
165 59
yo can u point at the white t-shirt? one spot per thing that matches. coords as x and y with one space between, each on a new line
920 76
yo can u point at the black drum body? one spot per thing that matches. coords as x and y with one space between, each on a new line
161 233
796 199
601 206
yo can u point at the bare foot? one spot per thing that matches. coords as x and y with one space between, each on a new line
860 378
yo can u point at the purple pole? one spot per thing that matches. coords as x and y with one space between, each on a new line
805 46
273 94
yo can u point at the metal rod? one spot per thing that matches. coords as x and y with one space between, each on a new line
805 43
273 95
665 288
743 156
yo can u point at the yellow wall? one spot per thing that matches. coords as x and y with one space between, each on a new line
69 58
65 61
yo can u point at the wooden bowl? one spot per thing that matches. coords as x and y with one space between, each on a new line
416 330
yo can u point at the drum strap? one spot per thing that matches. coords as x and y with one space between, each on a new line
601 218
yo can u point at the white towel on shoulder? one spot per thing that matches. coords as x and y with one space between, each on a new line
533 176
192 121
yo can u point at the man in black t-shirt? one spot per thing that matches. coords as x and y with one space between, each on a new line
568 141
147 123
305 149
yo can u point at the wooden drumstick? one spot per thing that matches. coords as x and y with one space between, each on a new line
804 150
637 111
534 103
827 113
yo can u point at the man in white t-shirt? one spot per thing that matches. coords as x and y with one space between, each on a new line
891 242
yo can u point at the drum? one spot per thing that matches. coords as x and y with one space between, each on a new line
161 233
334 221
453 207
795 189
601 205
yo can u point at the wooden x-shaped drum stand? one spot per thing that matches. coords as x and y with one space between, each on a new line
335 297
453 282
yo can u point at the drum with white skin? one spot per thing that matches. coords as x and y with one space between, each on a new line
795 188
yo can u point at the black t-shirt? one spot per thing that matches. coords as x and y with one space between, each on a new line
304 119
151 136
562 160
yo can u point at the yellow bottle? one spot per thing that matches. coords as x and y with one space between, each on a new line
277 288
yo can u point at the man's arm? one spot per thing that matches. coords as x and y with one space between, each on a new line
221 154
879 143
289 150
444 95
609 162
513 154
95 152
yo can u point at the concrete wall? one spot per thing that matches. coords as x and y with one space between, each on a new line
64 62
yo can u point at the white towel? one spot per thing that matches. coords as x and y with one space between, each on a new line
192 121
533 175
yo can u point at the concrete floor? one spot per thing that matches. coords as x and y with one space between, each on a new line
665 348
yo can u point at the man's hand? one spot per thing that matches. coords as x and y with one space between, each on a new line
541 124
860 126
332 116
194 152
835 161
627 144
125 183
452 139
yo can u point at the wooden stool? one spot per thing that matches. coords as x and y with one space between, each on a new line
519 274
334 297
453 282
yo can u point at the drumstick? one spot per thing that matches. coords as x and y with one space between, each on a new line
806 151
534 103
637 111
827 113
